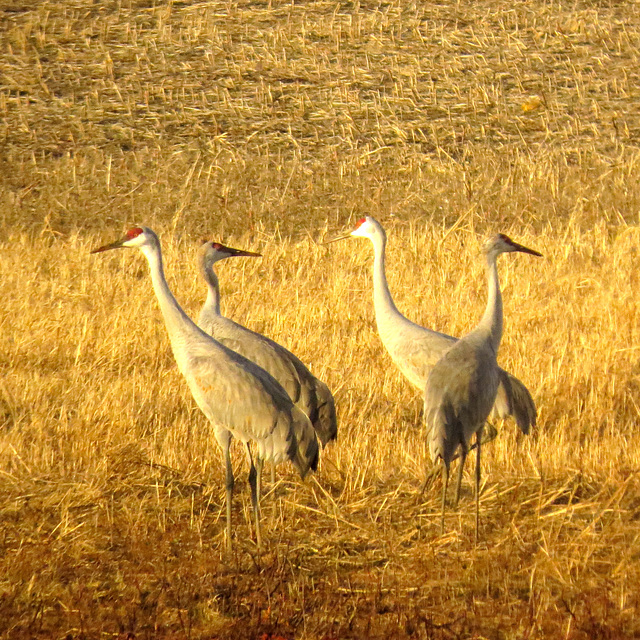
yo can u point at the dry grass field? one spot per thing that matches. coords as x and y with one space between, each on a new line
270 126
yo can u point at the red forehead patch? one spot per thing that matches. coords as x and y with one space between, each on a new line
134 232
217 246
361 222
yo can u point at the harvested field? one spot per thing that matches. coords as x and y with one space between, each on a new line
271 126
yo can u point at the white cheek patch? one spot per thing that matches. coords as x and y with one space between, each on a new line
136 241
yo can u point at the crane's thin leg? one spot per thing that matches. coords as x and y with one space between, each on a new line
445 482
433 472
253 483
259 467
463 457
229 487
273 474
479 442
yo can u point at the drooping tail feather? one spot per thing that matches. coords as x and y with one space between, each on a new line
307 451
438 421
280 444
325 421
514 399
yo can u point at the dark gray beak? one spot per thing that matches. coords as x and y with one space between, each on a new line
342 237
114 245
523 249
241 252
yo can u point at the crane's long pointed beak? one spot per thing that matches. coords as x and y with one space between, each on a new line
118 244
242 252
342 237
523 249
229 252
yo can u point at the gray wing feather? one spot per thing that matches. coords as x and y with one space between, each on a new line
444 430
299 383
416 354
459 394
257 348
514 399
326 421
246 401
267 356
307 451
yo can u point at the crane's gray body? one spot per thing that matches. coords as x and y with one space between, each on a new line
236 395
462 386
239 398
308 393
459 396
415 349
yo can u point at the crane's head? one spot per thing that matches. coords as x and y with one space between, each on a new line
136 237
366 227
212 252
500 243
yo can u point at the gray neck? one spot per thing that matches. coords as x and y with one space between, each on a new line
386 310
179 325
491 322
212 303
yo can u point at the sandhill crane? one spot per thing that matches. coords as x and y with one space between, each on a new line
462 386
415 349
238 397
308 393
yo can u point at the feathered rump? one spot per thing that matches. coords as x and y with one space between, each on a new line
436 438
325 420
292 438
280 444
307 452
437 416
514 399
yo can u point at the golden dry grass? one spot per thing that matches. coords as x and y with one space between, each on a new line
268 125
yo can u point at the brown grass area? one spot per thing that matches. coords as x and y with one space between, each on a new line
267 125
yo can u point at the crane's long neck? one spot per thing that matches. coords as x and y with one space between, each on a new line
491 323
212 303
387 314
179 325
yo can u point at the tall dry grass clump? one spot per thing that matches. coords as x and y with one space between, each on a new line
270 126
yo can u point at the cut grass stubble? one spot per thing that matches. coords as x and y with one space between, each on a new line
103 444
